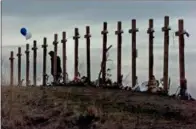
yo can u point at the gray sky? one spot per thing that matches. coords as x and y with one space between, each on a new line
43 18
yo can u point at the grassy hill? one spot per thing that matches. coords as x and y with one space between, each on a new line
90 108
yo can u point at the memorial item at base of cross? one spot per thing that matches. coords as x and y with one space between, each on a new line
153 85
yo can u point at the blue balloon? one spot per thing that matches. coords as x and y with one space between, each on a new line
23 31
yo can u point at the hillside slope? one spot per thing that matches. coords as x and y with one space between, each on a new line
90 108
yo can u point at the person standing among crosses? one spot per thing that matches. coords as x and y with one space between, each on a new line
58 66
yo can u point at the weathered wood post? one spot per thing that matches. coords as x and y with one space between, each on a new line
180 33
104 60
44 46
76 38
34 48
88 59
27 52
166 29
11 83
150 31
119 51
55 42
19 66
11 68
64 54
134 51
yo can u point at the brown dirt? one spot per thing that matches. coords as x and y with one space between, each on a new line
90 108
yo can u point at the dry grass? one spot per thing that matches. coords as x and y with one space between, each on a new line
90 108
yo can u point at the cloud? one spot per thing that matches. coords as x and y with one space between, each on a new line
119 8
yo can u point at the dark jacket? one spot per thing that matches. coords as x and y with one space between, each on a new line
59 70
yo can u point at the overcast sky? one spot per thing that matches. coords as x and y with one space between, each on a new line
43 18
